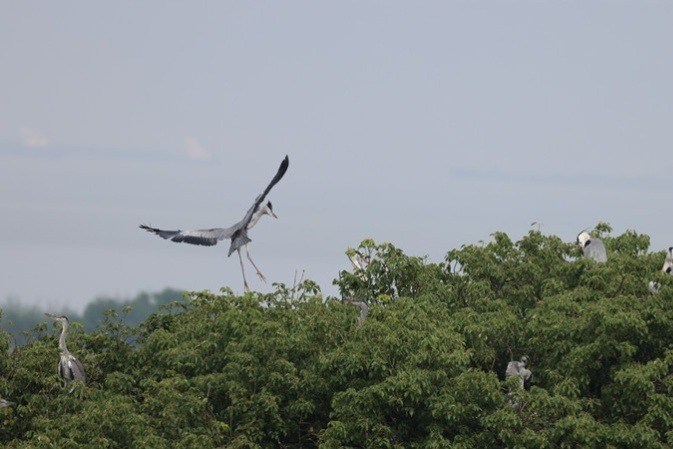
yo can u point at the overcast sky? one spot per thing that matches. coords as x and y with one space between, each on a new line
426 124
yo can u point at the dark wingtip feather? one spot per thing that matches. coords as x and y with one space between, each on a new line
282 169
285 164
279 175
149 228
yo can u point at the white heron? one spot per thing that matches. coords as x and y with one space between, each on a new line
238 233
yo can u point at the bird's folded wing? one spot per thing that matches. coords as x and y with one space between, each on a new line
512 369
595 249
77 370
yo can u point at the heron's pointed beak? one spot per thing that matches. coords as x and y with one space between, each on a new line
274 215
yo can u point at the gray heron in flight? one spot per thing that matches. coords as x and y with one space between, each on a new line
238 233
69 368
593 248
518 369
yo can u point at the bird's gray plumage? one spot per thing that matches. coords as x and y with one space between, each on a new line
668 262
238 233
593 248
519 369
5 403
205 237
653 287
69 368
364 309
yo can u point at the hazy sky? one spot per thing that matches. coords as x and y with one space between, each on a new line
426 124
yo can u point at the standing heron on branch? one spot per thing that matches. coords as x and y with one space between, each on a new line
238 233
668 262
364 309
518 369
69 368
593 248
654 286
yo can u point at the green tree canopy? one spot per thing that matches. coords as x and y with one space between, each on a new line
426 369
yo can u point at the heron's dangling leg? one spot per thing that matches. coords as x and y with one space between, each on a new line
245 283
259 273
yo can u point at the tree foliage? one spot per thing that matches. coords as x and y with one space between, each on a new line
293 368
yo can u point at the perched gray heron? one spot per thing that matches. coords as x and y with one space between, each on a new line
238 233
654 286
668 262
364 309
5 403
593 248
519 369
69 368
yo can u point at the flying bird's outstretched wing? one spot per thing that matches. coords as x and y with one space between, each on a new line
239 236
279 175
205 237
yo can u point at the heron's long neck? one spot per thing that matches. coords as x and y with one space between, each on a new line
256 216
61 342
